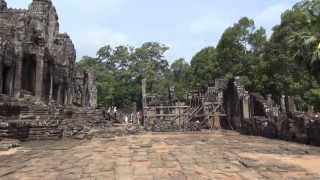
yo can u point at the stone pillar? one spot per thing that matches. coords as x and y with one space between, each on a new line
51 85
84 92
70 95
39 76
66 96
216 121
283 104
143 90
144 101
10 81
1 75
310 109
291 107
18 77
59 95
269 99
246 106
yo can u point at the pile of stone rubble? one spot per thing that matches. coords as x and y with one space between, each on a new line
25 119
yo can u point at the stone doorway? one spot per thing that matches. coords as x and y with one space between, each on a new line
6 82
29 65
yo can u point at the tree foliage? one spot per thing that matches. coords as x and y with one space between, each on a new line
120 71
286 63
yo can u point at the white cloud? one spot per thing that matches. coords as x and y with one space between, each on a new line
89 39
207 24
87 23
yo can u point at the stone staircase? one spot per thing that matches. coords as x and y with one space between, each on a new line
25 119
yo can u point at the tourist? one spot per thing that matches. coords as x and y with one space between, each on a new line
126 119
115 112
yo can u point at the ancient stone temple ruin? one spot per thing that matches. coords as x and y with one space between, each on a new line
37 60
225 104
43 93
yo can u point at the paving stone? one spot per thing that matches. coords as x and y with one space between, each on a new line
250 175
143 177
157 164
172 164
123 161
140 158
169 157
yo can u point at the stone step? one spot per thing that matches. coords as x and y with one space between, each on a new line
3 131
5 135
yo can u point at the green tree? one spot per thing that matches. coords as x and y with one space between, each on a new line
292 55
240 52
180 77
204 66
149 62
120 71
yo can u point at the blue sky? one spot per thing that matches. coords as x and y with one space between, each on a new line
186 26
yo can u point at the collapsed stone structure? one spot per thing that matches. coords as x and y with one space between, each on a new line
193 113
252 114
225 104
42 91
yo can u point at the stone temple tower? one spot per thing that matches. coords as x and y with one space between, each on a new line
3 5
38 60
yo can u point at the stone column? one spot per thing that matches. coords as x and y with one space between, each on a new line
70 94
246 116
291 107
59 98
269 99
18 76
10 81
143 90
84 91
246 106
1 75
39 75
51 85
310 109
144 101
283 104
66 96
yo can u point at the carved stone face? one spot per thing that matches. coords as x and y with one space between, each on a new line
3 5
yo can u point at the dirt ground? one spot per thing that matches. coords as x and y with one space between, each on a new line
172 156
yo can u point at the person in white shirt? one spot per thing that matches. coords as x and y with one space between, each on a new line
115 113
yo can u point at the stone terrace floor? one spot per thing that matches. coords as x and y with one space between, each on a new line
201 156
